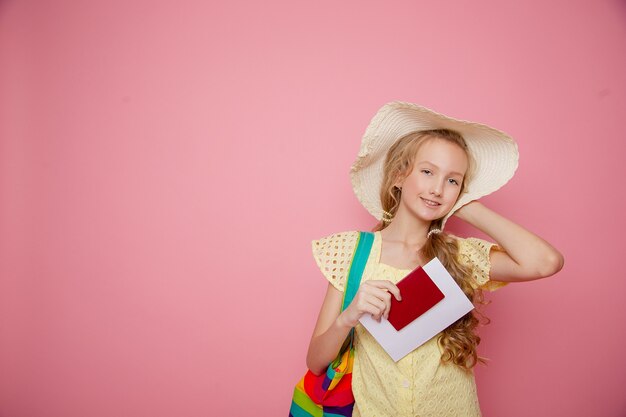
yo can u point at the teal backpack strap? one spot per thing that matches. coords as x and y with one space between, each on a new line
357 266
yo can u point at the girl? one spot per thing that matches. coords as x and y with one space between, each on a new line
414 170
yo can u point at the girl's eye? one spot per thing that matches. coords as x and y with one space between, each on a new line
453 181
426 171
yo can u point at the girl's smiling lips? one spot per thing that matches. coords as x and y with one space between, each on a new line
430 203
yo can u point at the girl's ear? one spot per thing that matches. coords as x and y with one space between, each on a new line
399 180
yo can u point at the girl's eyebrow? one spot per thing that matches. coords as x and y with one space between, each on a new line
434 165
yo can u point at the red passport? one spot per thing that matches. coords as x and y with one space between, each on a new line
419 294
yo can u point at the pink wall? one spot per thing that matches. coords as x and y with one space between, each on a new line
164 166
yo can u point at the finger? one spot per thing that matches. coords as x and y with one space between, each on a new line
384 298
376 302
384 295
386 286
382 305
374 311
389 286
387 307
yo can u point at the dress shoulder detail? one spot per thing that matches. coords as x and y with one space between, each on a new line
333 255
475 252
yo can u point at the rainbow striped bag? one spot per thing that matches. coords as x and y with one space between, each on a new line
330 394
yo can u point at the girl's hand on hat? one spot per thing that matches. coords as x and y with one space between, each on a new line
465 212
373 297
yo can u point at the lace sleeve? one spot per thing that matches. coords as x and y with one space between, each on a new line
475 252
333 255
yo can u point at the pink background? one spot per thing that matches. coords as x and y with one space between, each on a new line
165 165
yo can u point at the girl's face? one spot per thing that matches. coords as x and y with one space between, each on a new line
431 189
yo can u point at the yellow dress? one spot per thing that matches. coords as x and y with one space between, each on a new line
418 384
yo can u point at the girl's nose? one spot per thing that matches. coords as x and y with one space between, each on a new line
437 186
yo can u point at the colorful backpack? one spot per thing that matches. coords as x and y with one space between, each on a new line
330 394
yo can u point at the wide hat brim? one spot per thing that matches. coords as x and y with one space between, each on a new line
495 153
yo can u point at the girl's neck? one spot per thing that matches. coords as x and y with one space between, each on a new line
406 228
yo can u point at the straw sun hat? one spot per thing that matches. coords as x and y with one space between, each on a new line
494 152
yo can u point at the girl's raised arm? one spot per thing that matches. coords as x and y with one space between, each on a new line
525 256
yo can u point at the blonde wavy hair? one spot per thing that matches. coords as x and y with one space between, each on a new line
459 341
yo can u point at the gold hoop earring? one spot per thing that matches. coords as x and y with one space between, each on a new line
433 232
387 217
